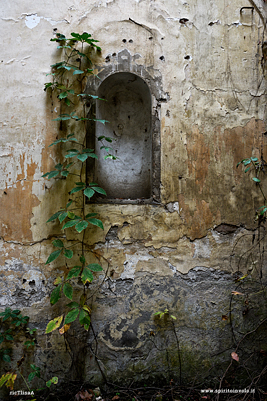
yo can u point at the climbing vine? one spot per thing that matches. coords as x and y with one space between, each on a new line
69 77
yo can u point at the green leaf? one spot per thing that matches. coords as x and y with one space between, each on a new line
247 169
246 162
71 223
31 376
74 272
84 317
68 253
68 290
62 117
6 358
73 305
58 243
53 324
91 215
87 275
95 267
82 157
254 159
82 259
71 215
55 295
71 154
99 190
67 101
62 217
96 222
65 173
9 337
82 225
77 189
62 95
55 216
54 255
89 192
52 174
256 179
78 72
71 316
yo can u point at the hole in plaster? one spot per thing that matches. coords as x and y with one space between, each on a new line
24 281
114 54
5 193
43 281
131 41
107 59
124 40
162 58
112 234
226 228
187 57
32 283
183 20
150 38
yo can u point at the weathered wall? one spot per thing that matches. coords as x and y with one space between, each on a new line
206 60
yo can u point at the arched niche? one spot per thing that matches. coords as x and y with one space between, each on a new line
127 107
137 89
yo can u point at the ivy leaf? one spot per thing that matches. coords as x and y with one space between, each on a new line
68 253
95 267
82 225
71 215
62 95
87 275
70 223
68 290
55 216
77 189
74 272
91 215
89 192
78 72
55 295
96 222
256 179
73 305
82 259
82 157
58 243
62 217
99 190
6 358
53 324
71 316
54 255
52 174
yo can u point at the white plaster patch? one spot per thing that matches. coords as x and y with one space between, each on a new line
173 207
130 264
32 20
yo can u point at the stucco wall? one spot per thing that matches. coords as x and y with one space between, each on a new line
205 58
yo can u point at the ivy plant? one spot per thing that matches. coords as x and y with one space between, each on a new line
69 77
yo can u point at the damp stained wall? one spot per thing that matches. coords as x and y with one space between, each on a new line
202 62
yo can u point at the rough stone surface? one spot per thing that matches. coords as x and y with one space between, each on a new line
202 62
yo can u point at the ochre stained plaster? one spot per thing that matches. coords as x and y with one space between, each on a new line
16 205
